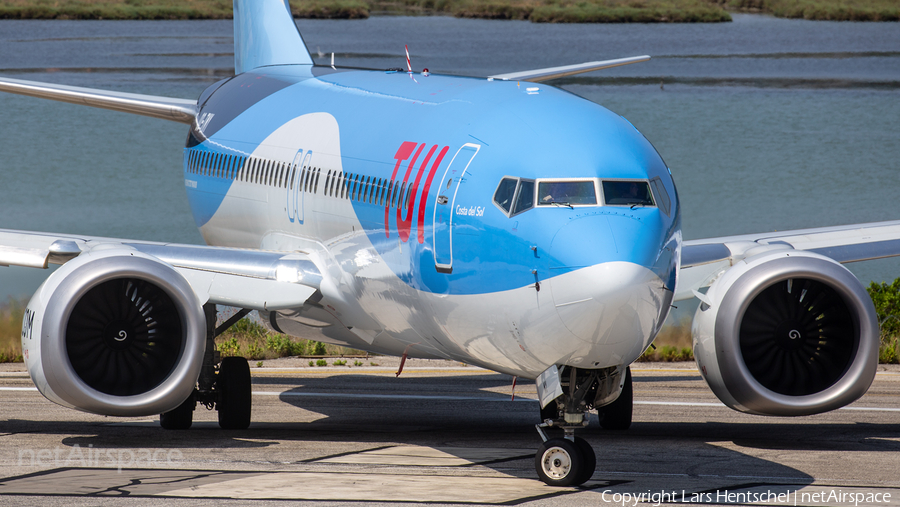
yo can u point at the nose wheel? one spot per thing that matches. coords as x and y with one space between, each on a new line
564 462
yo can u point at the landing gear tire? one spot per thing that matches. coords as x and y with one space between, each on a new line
617 415
589 460
233 386
181 417
561 462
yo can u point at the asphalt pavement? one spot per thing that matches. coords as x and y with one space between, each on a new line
445 433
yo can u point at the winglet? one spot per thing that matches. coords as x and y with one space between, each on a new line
265 34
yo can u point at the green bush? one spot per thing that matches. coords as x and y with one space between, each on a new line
886 298
252 340
667 353
11 314
229 347
285 346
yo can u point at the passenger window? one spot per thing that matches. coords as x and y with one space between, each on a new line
401 203
524 197
568 193
627 193
505 193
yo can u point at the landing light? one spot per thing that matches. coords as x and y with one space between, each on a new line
287 274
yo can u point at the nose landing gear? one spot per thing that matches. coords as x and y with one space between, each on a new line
570 460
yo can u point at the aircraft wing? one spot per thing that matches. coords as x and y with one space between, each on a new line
253 279
165 108
538 75
704 260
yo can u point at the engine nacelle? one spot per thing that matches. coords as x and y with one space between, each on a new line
787 333
115 332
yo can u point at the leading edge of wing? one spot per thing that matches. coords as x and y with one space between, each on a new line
538 75
254 279
703 260
843 243
165 108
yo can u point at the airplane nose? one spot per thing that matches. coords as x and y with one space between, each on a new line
607 290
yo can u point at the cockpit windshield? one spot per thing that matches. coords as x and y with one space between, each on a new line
627 193
518 195
566 193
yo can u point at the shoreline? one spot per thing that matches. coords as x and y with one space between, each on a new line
538 11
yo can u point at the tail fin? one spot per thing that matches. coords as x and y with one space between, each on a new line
265 34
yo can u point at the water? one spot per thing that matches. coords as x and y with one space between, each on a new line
767 124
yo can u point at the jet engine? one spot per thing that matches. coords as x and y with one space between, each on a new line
787 333
115 332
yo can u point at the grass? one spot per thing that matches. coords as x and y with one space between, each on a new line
821 10
252 340
11 313
629 11
886 297
115 9
672 344
539 11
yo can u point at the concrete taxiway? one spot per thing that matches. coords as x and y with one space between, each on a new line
445 433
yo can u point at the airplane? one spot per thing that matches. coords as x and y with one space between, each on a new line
408 213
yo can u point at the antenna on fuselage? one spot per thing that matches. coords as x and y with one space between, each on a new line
408 64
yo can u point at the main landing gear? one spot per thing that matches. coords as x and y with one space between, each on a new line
570 460
223 385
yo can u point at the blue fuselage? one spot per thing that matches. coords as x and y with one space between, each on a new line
395 183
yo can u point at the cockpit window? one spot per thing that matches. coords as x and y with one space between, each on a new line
525 197
627 193
505 193
566 193
514 195
662 196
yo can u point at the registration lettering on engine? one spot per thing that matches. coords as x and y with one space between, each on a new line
27 323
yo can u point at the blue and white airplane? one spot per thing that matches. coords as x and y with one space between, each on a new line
409 214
